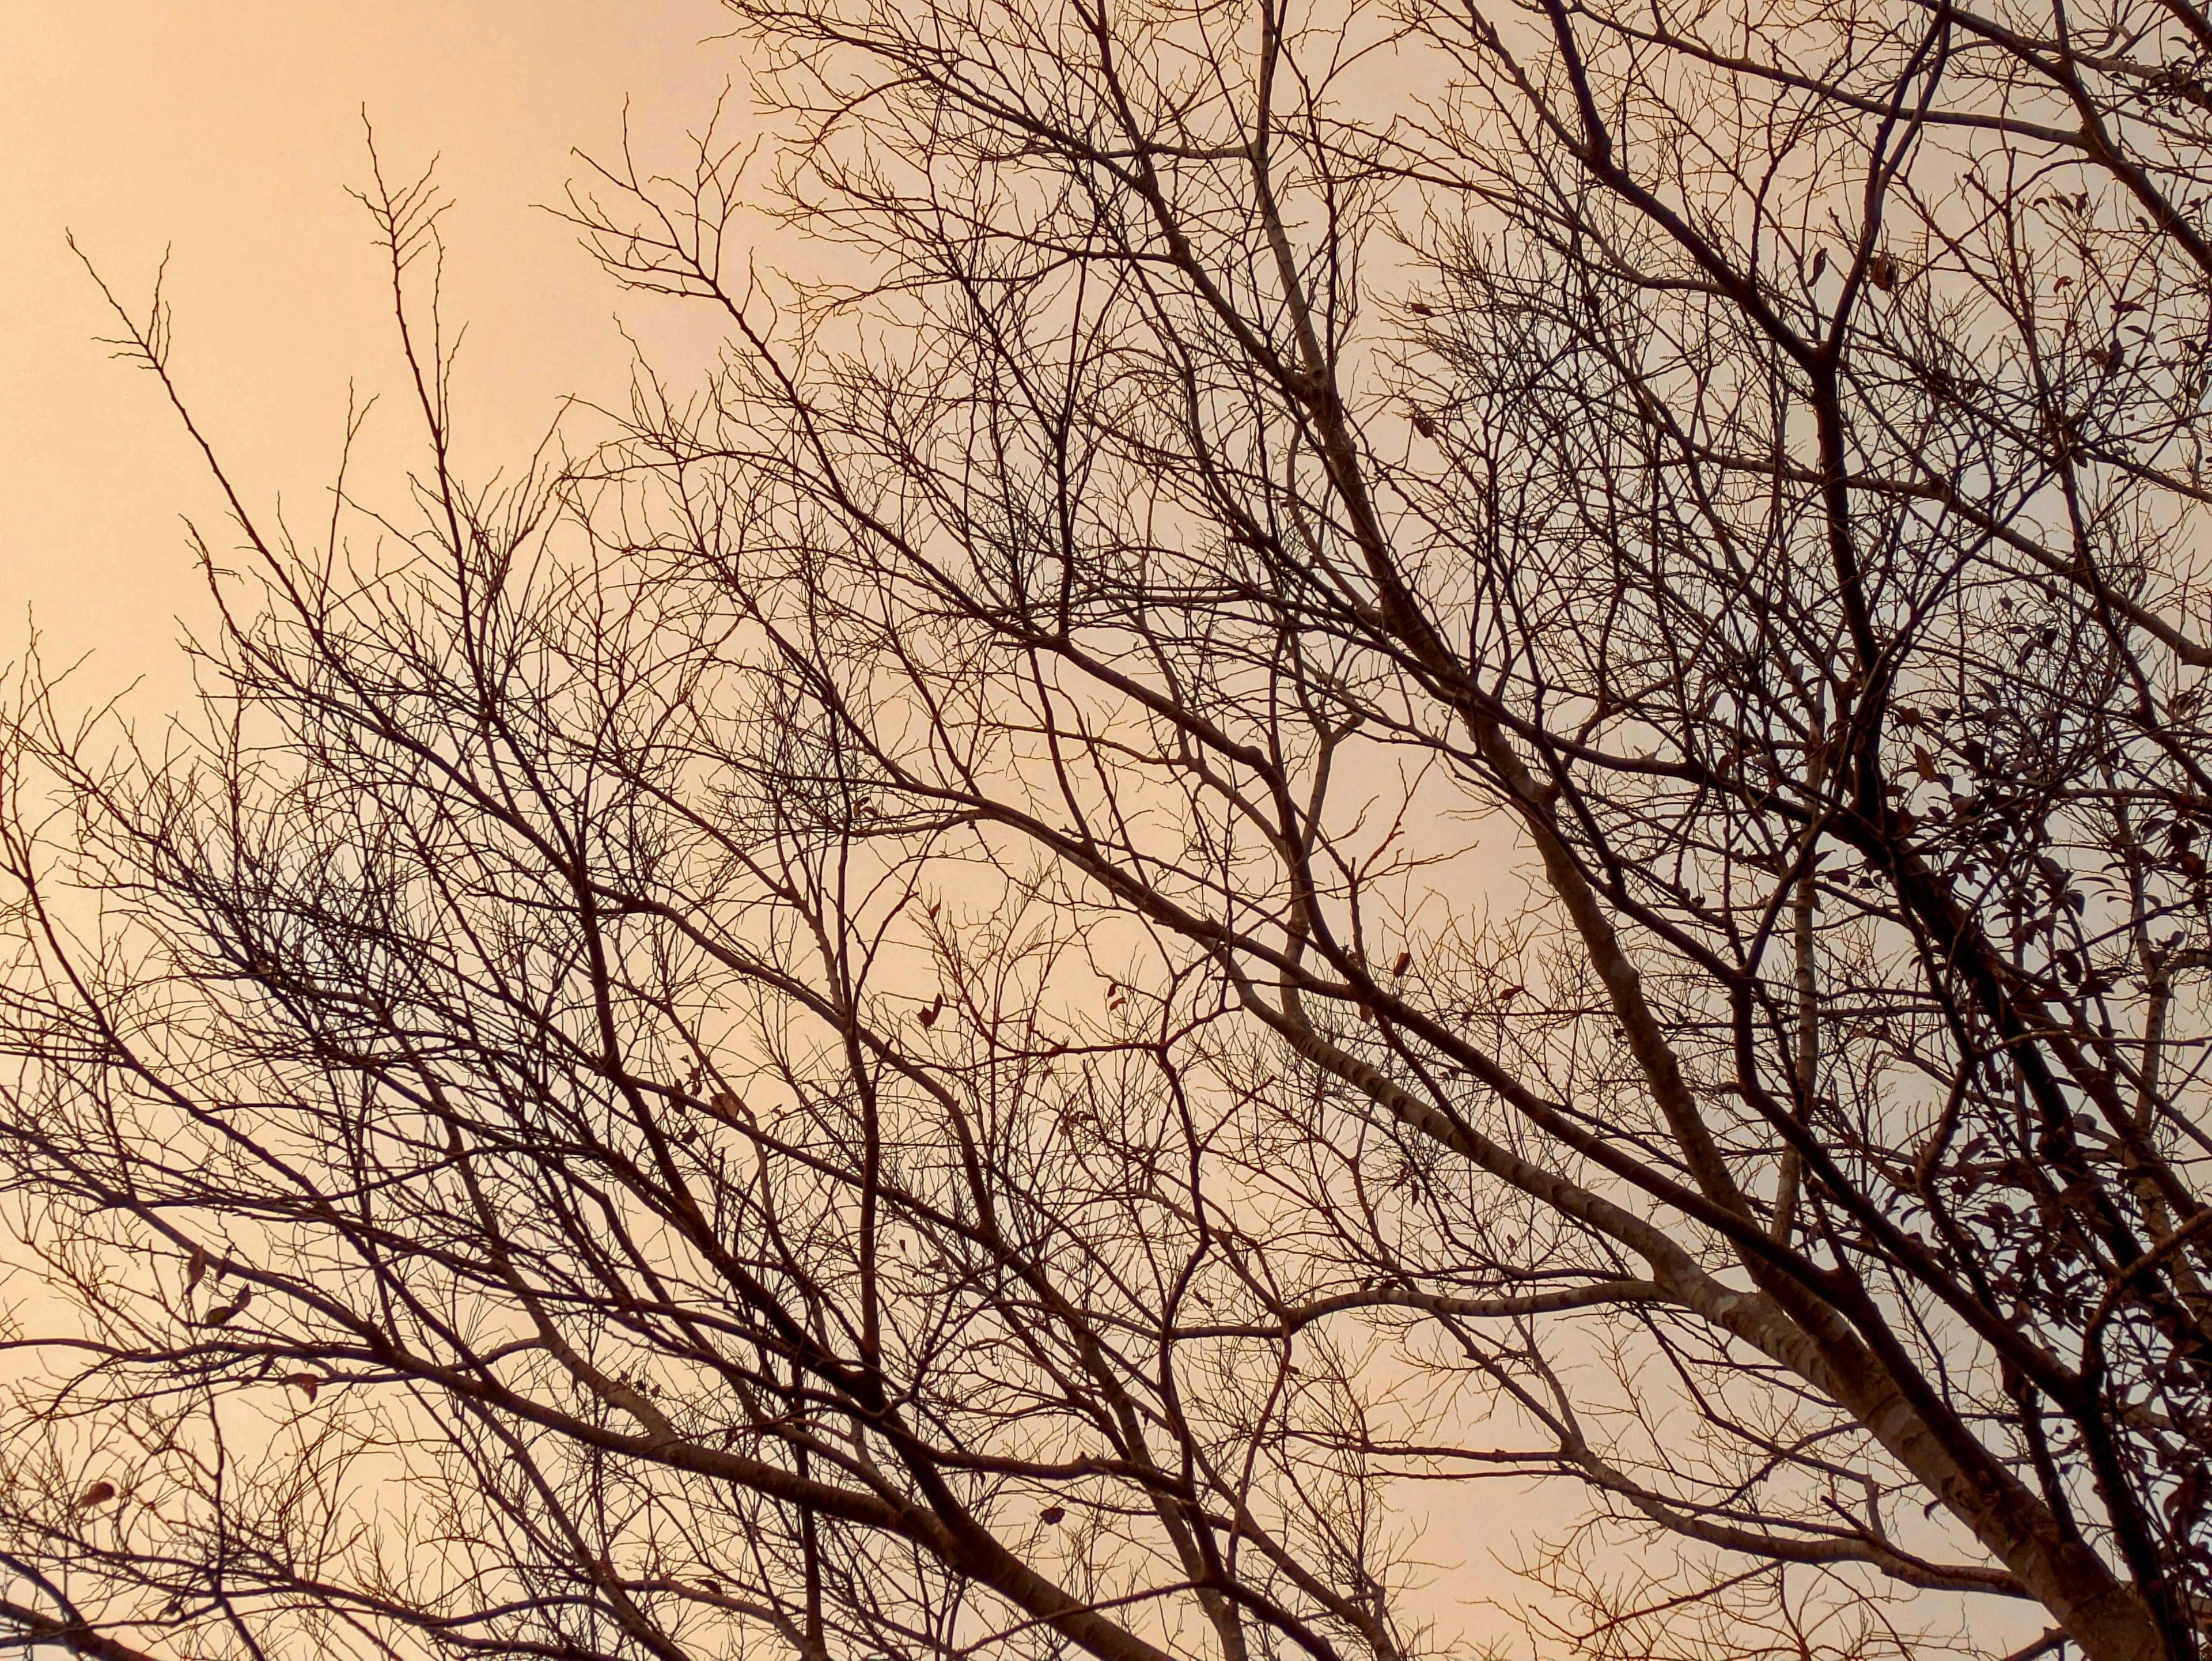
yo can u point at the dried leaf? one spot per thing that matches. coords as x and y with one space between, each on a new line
1051 1514
98 1494
306 1383
195 1268
223 1312
1405 961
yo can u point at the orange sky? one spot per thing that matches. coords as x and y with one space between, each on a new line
228 130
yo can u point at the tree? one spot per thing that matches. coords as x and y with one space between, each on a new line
1421 744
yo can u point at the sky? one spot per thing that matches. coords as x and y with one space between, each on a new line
228 132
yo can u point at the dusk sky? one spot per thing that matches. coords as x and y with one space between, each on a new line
226 138
228 132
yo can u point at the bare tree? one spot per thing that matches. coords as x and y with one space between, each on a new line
1420 746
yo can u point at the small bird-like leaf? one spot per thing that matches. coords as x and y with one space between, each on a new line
1405 961
222 1312
928 1017
306 1383
1051 1514
98 1494
195 1268
727 1104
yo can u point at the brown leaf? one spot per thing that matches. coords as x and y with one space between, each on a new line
928 1017
195 1268
1051 1514
1405 961
727 1105
1423 424
1924 764
307 1382
222 1312
98 1494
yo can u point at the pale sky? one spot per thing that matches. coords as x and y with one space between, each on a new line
228 131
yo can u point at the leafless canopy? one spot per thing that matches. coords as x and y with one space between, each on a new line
1395 760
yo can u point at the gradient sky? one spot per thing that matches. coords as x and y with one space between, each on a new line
227 131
